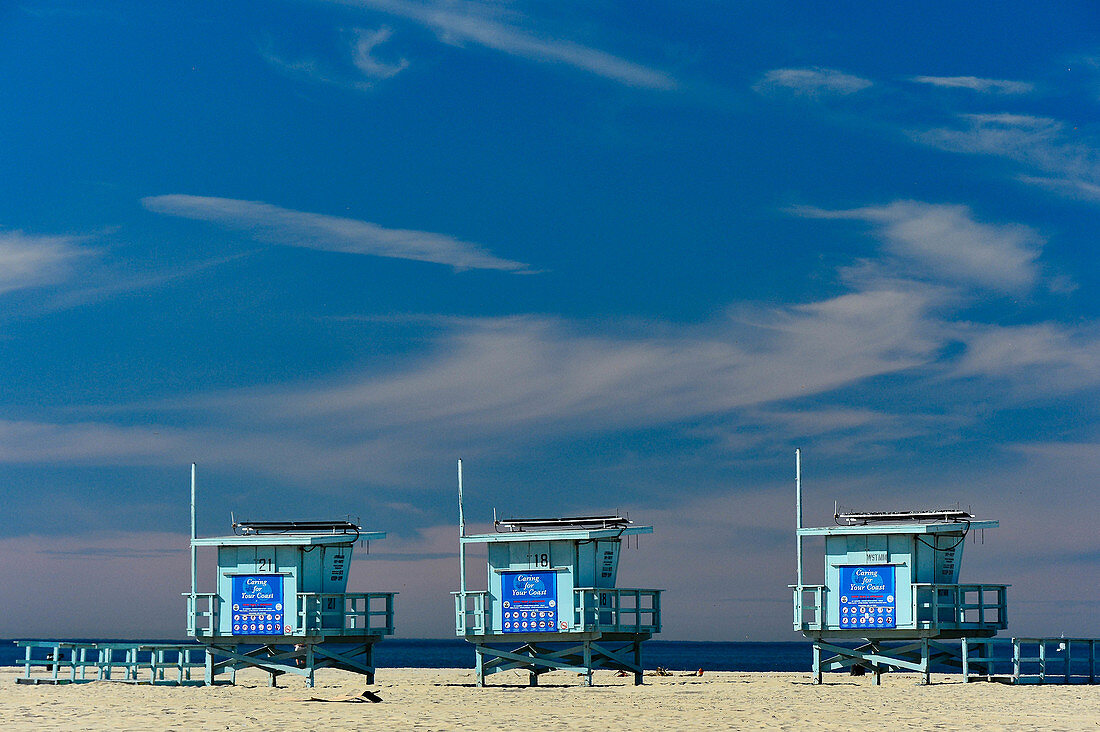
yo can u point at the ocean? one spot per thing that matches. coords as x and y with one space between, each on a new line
457 653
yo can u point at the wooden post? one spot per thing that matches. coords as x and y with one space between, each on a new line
588 663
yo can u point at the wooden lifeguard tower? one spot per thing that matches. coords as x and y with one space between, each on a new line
281 603
892 590
551 602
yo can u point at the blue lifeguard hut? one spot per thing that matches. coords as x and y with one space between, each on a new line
551 602
281 602
891 597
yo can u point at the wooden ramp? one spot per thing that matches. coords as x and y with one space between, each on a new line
63 662
1032 661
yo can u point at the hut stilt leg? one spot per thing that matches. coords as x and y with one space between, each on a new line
368 659
588 663
876 668
817 664
638 662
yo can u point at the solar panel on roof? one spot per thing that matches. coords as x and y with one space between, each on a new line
564 523
295 527
867 517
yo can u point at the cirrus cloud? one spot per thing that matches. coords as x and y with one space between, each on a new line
813 82
273 224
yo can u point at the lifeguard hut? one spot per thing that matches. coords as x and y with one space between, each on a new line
551 602
281 603
892 590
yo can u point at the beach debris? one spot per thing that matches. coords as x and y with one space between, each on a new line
365 696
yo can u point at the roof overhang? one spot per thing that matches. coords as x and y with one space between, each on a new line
949 527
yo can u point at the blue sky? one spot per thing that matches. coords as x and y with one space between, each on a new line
616 257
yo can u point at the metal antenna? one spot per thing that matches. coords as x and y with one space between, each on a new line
798 512
194 566
461 535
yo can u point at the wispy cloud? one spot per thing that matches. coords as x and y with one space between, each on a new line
363 71
947 243
470 22
365 43
500 374
267 223
508 385
1043 357
511 383
812 82
29 260
1070 163
974 83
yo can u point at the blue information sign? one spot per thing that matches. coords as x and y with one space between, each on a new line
867 598
258 605
530 602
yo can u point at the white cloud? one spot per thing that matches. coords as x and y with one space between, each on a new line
499 384
1040 143
468 22
813 82
24 441
946 242
365 43
28 260
1040 357
506 374
1077 189
311 69
287 227
974 83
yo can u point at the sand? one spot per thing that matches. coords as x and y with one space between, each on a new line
432 699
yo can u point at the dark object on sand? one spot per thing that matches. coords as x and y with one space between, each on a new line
366 696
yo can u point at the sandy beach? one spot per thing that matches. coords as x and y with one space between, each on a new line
447 699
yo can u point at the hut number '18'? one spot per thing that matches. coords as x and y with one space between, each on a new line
541 560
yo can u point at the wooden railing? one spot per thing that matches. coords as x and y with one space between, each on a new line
960 607
595 609
616 610
809 615
365 613
358 613
472 613
202 613
935 607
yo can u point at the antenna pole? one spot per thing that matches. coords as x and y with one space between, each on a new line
798 510
194 570
461 535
